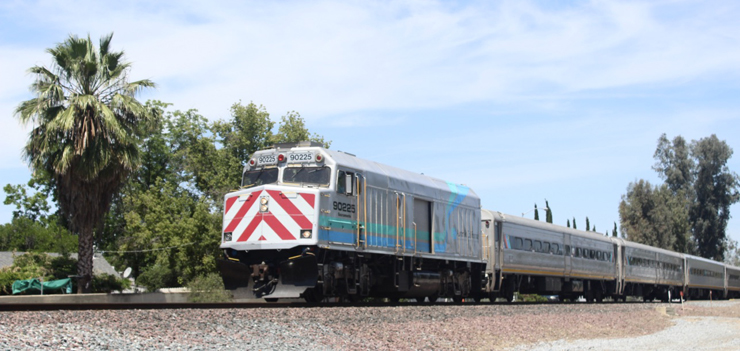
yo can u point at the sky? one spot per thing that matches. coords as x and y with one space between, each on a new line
520 100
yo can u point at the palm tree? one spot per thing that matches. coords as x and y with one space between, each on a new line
87 125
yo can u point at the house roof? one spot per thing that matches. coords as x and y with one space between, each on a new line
100 265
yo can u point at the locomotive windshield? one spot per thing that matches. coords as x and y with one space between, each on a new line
307 175
259 177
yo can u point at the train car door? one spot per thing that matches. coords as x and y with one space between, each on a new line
618 267
567 255
352 204
400 224
422 226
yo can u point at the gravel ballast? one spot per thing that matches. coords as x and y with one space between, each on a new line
439 327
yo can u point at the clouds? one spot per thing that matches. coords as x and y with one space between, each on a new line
332 57
579 89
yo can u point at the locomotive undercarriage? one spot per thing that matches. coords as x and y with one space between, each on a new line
317 274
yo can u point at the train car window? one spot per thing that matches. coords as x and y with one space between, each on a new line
527 244
591 254
307 175
537 246
546 247
598 255
518 243
555 248
259 177
578 252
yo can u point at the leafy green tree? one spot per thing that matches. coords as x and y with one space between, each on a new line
86 135
716 189
33 227
25 234
675 166
536 213
548 213
293 129
645 214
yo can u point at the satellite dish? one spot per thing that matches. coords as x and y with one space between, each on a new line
127 273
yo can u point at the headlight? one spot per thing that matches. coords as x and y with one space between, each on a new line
306 234
227 236
263 208
263 201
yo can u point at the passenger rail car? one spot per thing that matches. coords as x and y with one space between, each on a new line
704 277
538 257
649 272
313 223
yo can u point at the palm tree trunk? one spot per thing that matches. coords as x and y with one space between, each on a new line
85 260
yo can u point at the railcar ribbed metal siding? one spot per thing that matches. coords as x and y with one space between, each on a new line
391 194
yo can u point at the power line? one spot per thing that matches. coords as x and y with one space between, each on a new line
148 250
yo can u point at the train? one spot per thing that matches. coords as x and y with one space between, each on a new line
313 223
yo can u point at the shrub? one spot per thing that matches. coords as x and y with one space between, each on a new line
156 277
107 283
63 266
7 277
208 288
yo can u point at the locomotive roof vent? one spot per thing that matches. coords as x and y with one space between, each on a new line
297 144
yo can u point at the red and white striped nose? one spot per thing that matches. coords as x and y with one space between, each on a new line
269 216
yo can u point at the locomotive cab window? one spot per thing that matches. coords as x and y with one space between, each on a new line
307 175
259 177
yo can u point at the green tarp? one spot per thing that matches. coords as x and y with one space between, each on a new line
33 286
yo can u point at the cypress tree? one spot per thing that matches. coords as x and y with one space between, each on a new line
568 223
536 213
574 223
614 231
588 225
548 214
